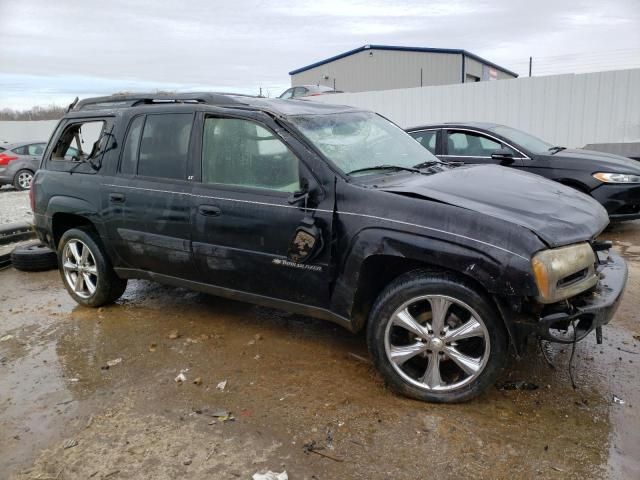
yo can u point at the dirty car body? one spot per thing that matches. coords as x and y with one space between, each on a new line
332 212
612 180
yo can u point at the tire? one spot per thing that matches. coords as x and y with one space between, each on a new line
400 327
80 254
34 257
22 179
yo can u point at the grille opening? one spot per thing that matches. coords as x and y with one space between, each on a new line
573 278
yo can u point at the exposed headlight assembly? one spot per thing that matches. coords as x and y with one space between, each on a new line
617 177
564 272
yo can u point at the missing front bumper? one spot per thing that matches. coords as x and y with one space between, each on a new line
580 315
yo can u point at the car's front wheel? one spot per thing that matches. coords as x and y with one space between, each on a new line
435 338
85 269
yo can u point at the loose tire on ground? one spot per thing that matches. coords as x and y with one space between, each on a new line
85 269
467 353
34 257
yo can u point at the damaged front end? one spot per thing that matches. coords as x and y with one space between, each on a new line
571 319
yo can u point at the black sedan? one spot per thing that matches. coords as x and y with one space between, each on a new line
611 179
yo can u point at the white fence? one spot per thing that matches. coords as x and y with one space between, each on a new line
569 110
26 131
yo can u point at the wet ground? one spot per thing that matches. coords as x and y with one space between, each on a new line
291 380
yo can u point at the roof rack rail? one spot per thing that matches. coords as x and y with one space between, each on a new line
132 99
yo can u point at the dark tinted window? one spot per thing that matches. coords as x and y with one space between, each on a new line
427 139
130 149
164 146
243 153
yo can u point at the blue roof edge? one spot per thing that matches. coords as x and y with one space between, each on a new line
403 49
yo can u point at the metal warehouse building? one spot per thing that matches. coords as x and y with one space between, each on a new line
384 67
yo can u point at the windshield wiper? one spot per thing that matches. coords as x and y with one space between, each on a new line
427 164
384 167
555 150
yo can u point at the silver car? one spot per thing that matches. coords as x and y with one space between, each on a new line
307 91
18 163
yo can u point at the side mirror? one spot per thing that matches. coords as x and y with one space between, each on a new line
504 155
301 195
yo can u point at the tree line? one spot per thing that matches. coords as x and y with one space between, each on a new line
52 112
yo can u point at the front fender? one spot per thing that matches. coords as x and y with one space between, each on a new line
499 273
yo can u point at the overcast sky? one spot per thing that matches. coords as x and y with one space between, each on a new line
51 51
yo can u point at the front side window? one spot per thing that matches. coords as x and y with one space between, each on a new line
36 149
426 138
164 146
471 144
243 153
358 140
81 142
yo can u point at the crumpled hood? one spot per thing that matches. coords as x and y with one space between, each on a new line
601 161
559 215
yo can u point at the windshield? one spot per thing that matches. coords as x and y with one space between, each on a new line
361 140
526 141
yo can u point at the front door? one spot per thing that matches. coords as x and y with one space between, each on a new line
474 147
243 218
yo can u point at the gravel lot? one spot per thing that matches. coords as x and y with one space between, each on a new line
14 206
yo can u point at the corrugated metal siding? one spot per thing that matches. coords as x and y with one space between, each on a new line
384 70
570 110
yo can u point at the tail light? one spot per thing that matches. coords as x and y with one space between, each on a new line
32 197
5 158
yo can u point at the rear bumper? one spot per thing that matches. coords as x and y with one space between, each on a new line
589 310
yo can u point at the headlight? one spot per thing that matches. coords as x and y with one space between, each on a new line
617 177
564 272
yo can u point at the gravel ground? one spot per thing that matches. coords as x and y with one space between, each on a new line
14 206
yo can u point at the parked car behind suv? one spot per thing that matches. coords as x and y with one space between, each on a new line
307 91
18 163
331 212
611 179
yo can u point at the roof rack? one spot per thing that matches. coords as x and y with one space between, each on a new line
133 99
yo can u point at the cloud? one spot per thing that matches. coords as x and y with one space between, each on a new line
72 47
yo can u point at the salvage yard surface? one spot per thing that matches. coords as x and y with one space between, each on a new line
93 394
14 206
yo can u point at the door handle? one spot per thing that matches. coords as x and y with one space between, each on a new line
209 211
116 197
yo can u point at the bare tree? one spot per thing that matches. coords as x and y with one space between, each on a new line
52 112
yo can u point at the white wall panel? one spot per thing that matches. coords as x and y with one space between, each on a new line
570 110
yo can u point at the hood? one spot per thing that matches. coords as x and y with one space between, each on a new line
601 161
559 215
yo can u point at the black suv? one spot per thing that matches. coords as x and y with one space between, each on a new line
327 211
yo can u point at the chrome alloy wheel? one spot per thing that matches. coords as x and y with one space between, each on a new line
80 270
437 343
24 180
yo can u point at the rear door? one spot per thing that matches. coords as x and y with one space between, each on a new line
242 217
470 146
148 197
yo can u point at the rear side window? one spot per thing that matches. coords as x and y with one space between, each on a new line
165 146
36 148
81 141
129 160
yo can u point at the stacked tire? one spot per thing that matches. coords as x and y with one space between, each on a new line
34 257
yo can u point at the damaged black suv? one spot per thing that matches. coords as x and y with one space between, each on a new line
328 211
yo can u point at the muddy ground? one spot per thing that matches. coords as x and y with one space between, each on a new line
291 380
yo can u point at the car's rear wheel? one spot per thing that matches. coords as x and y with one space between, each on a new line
85 269
22 179
436 338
